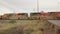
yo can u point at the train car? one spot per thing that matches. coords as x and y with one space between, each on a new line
57 15
5 16
14 16
35 16
40 15
11 16
21 16
47 14
50 15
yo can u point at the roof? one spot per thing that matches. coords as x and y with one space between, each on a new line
56 22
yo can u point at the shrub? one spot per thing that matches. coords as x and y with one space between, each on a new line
12 21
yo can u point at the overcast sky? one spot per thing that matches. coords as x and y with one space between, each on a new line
9 6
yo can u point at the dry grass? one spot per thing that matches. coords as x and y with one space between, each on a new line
24 26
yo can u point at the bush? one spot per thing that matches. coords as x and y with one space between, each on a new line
12 21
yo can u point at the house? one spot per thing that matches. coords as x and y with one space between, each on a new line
52 27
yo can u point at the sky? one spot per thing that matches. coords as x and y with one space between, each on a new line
27 6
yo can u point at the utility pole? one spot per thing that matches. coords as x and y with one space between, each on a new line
38 9
29 14
37 5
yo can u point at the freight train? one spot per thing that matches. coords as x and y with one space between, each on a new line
48 15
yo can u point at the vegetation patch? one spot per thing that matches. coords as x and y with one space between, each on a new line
12 21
